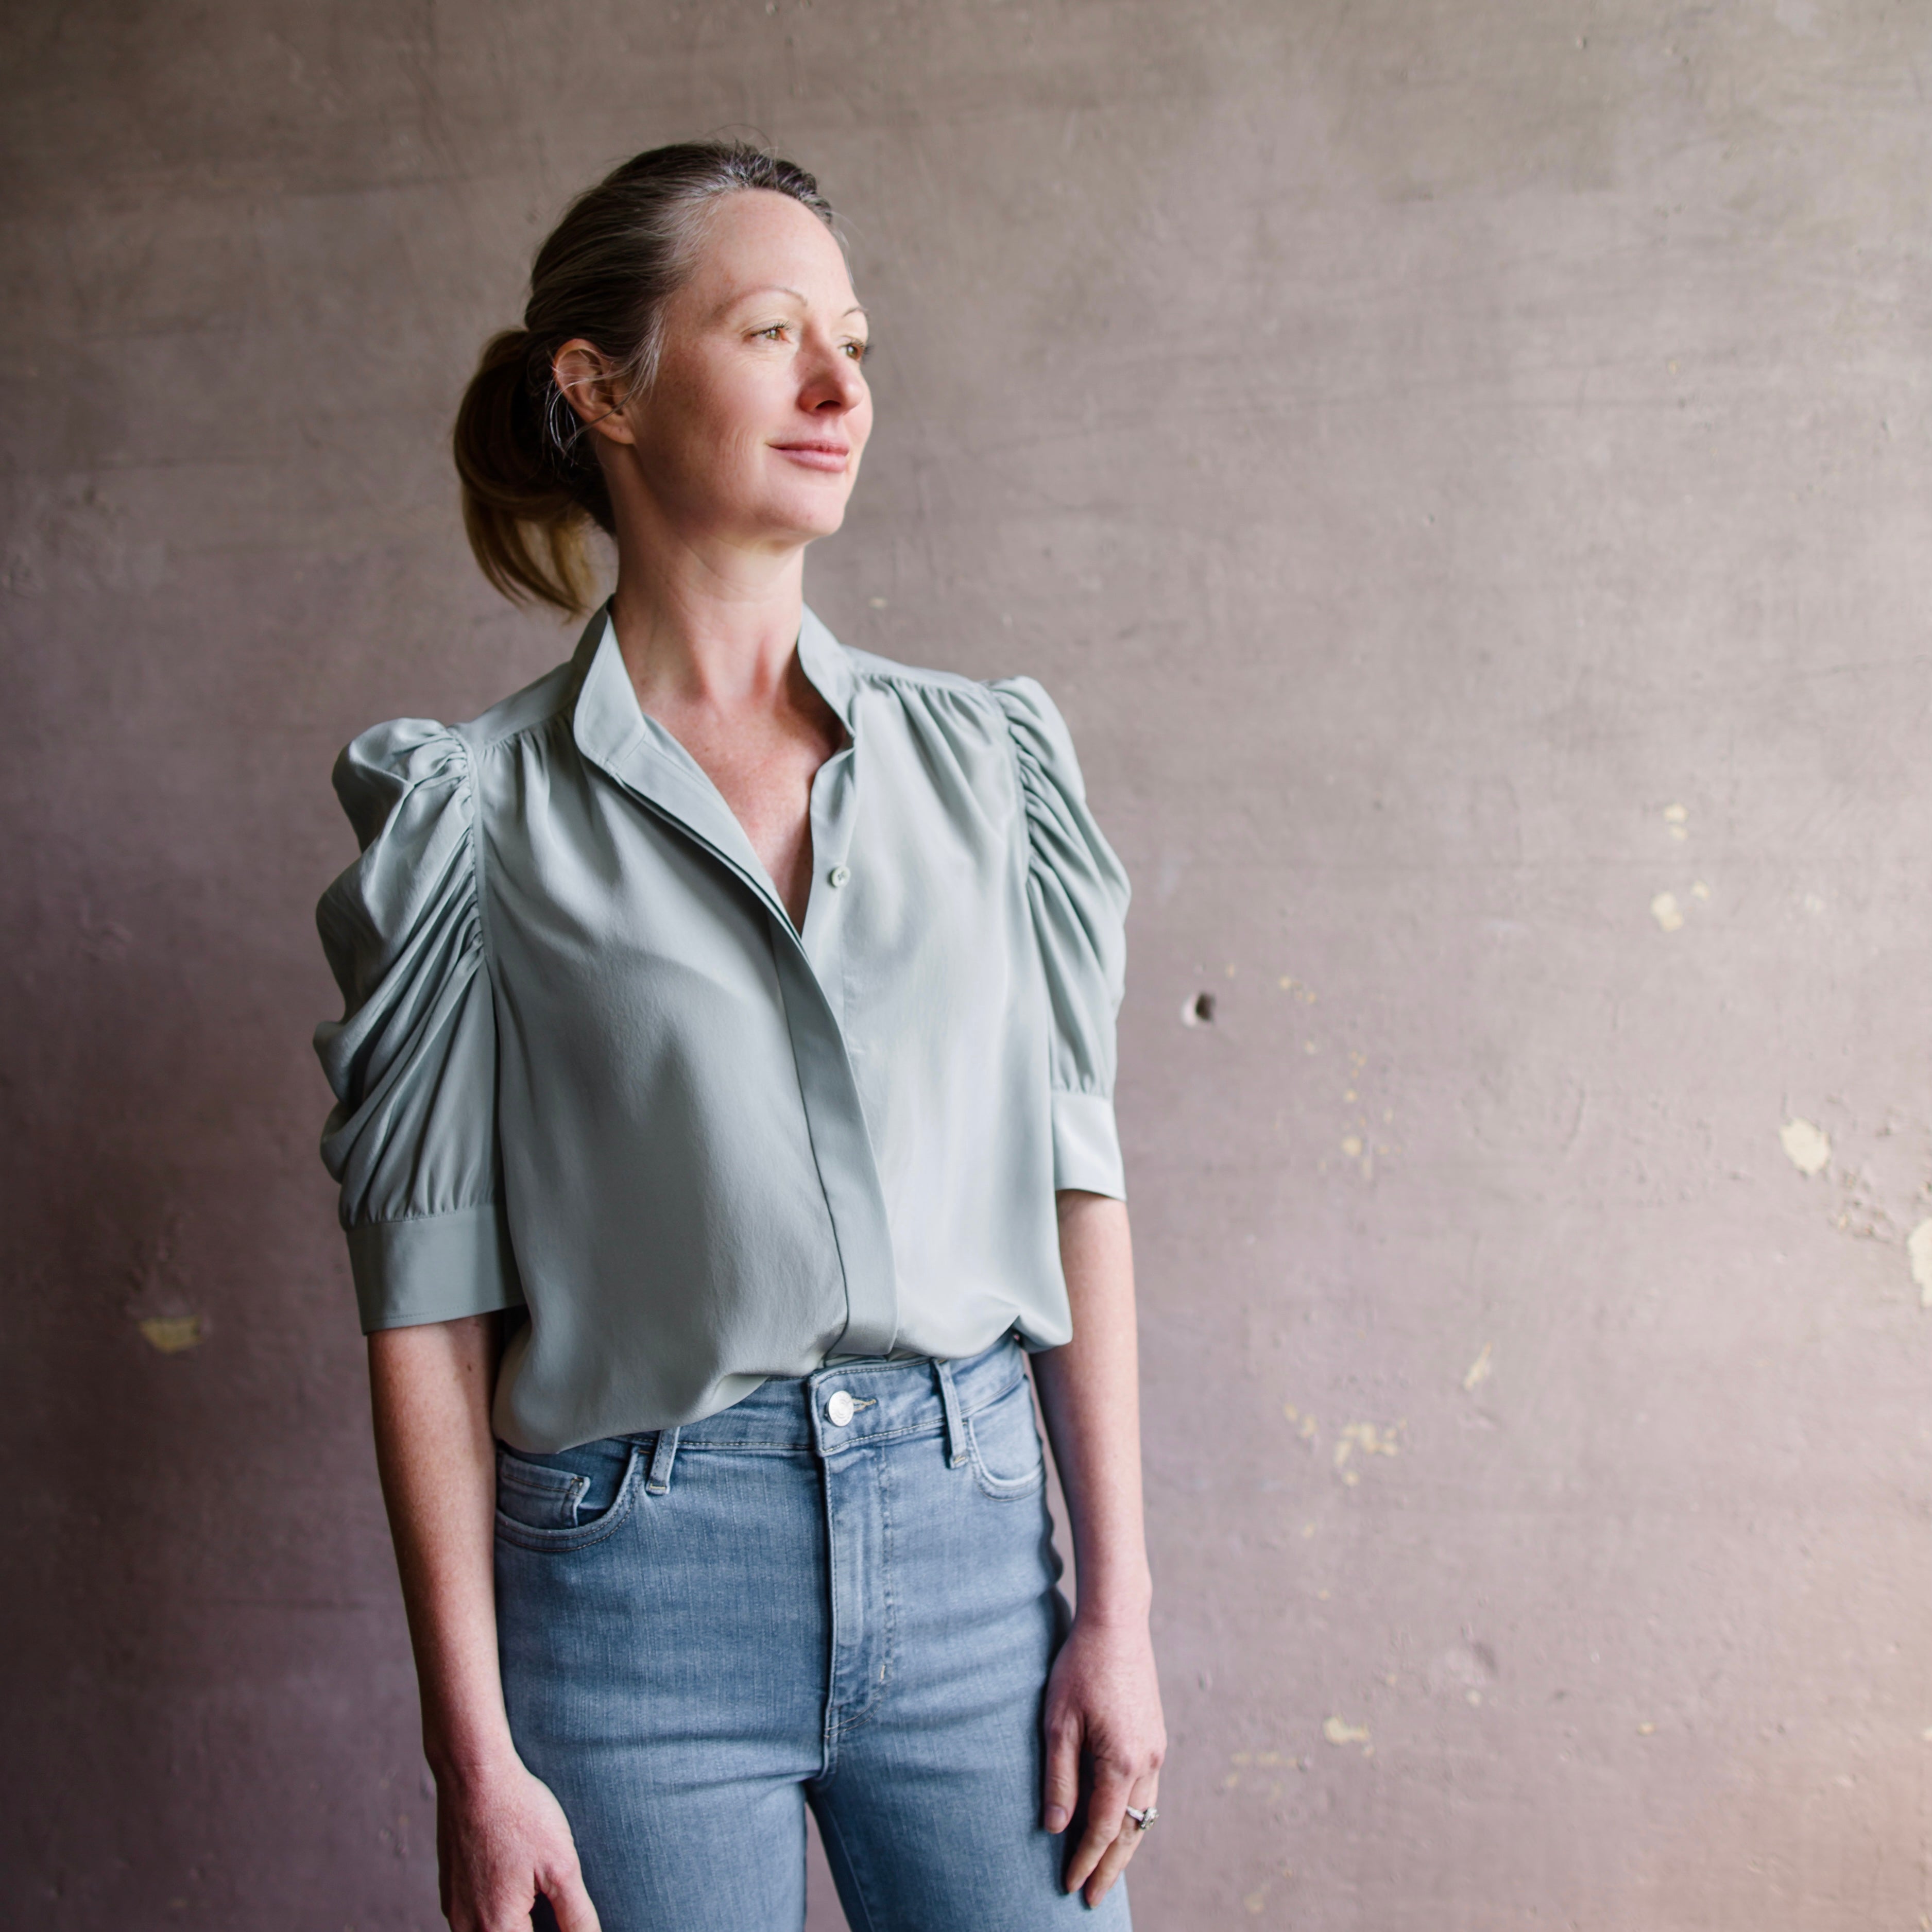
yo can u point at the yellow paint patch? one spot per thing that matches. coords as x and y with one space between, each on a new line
1675 821
1918 1251
1479 1370
1351 1145
1699 890
1646 1730
1368 1438
1339 1731
171 1334
1808 1148
1667 913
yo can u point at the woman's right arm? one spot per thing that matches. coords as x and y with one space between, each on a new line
501 1837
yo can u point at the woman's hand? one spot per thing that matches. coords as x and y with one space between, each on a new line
500 1840
1103 1703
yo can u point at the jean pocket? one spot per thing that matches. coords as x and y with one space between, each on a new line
1002 1441
567 1501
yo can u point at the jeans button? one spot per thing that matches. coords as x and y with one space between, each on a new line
838 1408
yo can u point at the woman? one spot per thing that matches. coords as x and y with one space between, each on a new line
724 1115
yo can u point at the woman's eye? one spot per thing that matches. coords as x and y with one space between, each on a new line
777 330
856 350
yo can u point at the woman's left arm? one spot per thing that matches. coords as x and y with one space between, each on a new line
1103 1698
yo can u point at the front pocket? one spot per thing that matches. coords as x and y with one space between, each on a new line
559 1502
1003 1441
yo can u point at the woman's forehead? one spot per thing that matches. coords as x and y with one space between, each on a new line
758 242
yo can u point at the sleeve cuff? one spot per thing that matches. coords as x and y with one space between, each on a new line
435 1268
1087 1144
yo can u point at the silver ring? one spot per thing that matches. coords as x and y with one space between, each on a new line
1142 1820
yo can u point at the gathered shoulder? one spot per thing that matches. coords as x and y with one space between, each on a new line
1015 708
400 761
917 680
425 758
536 704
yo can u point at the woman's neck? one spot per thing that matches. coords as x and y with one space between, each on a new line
708 625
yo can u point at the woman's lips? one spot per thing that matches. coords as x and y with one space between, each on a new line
832 456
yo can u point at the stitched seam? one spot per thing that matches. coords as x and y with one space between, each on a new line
428 1214
566 705
566 1542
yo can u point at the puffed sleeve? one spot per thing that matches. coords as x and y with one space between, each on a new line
412 1138
1079 892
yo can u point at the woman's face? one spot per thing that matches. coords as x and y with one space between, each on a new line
753 430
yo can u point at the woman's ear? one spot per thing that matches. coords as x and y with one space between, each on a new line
592 388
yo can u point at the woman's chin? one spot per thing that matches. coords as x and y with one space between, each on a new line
798 516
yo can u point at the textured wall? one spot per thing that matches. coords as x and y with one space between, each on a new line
1461 468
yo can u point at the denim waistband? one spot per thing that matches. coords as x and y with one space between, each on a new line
887 1398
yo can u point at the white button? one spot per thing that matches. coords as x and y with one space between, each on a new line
838 1408
839 874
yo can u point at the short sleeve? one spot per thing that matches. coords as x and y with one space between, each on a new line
1078 890
412 1138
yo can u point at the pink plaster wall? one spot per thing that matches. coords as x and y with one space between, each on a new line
1462 469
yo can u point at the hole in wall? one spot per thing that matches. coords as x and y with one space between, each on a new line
1199 1011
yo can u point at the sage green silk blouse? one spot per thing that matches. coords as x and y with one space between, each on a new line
589 1070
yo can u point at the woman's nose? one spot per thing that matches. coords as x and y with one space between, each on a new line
834 384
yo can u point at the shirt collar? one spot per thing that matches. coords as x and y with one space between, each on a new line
826 663
609 719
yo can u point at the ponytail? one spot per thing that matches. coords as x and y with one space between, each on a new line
525 512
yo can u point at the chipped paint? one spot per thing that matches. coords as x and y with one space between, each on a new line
1368 1438
172 1334
1808 1147
1675 821
1918 1251
1479 1370
1667 913
1339 1731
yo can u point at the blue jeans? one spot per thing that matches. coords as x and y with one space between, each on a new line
840 1592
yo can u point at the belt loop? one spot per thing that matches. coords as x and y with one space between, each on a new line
956 1429
663 1454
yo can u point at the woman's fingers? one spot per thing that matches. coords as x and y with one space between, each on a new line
1106 1809
1063 1771
570 1902
1126 1842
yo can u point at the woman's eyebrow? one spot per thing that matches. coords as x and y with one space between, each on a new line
780 289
